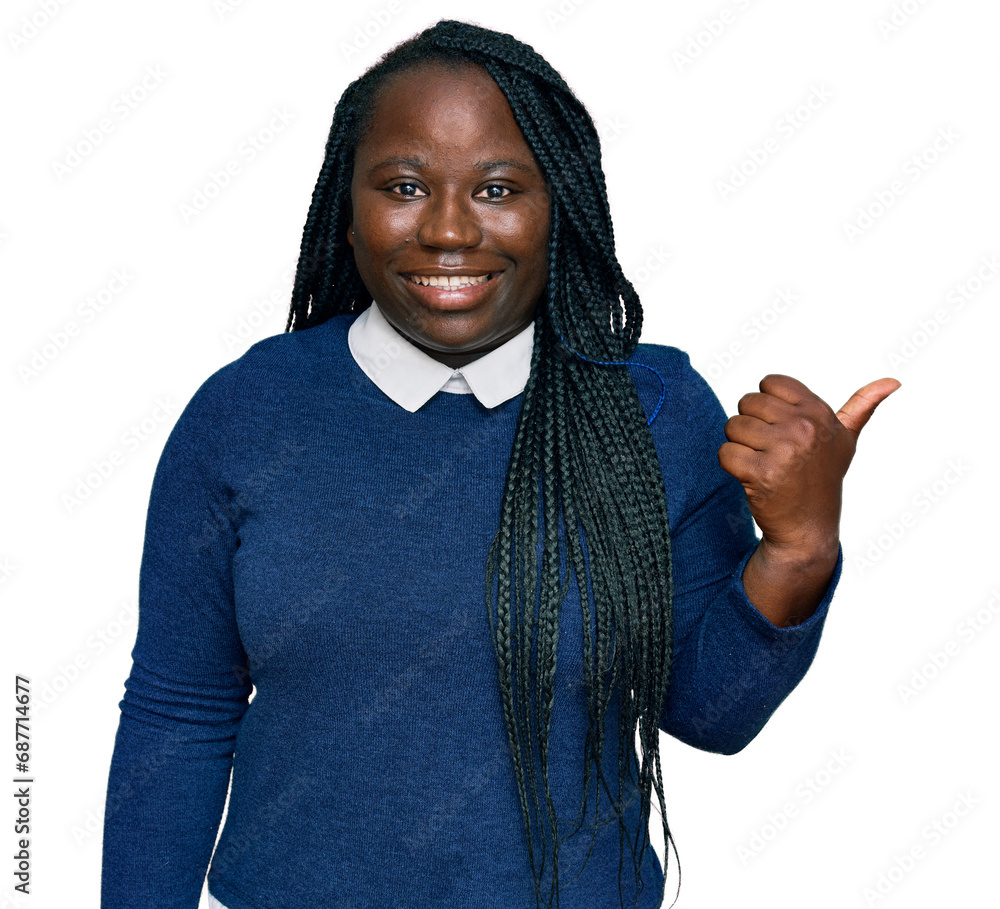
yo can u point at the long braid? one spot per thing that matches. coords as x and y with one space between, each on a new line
326 280
583 469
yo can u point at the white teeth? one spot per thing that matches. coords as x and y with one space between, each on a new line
448 280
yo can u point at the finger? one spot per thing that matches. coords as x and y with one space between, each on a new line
786 388
738 461
861 405
749 431
765 407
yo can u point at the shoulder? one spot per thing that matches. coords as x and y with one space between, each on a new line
687 432
687 396
288 359
268 370
296 352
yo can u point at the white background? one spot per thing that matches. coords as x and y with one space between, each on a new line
705 262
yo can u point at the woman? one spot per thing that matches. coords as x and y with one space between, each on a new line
323 520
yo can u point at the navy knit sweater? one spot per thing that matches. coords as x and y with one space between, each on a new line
311 542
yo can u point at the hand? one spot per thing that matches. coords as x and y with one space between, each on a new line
791 451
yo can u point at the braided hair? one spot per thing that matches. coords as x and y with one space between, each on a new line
583 457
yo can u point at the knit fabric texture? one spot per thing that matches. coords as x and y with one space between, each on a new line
311 543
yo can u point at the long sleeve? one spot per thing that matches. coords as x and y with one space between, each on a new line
731 667
188 687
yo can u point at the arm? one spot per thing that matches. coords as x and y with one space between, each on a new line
732 666
744 641
787 588
184 696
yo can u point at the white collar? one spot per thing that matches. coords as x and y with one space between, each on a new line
411 377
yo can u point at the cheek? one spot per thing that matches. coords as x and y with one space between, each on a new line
381 229
526 236
536 250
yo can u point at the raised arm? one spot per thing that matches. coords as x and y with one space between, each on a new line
733 663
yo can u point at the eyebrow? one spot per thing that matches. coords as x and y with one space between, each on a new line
502 162
417 163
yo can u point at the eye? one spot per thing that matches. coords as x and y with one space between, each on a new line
409 190
495 192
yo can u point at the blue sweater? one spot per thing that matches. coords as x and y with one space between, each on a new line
311 542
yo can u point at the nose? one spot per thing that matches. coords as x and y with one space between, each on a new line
449 222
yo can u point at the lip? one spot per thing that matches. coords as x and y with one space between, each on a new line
450 298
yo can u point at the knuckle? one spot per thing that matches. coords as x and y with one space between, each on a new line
788 450
803 430
769 477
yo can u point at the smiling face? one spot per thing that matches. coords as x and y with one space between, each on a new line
450 213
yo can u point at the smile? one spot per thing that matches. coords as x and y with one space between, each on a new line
449 281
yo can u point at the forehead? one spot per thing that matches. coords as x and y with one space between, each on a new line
442 112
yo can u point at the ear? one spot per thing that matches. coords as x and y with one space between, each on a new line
350 234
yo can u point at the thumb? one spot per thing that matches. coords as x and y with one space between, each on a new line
861 405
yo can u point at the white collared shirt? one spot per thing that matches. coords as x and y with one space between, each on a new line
411 377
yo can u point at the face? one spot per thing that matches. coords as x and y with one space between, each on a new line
450 213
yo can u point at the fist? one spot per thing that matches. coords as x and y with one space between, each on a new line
790 452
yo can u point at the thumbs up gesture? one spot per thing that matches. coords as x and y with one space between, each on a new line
790 452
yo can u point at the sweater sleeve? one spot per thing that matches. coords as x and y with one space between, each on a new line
188 686
731 666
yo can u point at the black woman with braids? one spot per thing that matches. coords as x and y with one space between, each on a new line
461 536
